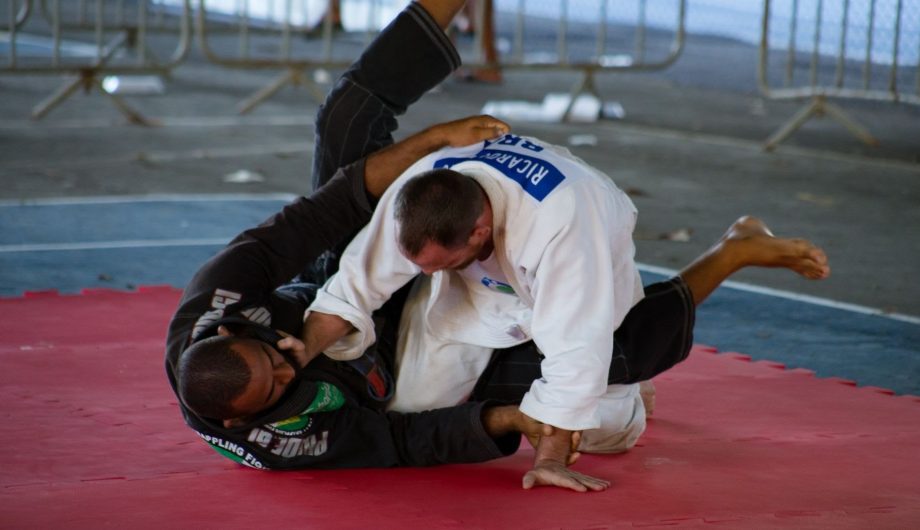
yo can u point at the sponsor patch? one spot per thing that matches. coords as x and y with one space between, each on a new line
233 451
497 286
328 397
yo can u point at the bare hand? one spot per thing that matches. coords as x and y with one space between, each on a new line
471 130
294 347
551 473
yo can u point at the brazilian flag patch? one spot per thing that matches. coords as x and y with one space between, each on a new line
328 397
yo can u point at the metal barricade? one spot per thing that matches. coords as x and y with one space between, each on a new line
92 39
847 49
292 36
586 36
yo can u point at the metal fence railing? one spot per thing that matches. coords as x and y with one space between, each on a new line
92 39
294 37
839 49
586 37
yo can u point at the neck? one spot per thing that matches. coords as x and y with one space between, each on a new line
486 251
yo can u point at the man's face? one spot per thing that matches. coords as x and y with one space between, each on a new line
434 257
271 374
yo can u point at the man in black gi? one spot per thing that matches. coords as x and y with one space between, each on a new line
330 414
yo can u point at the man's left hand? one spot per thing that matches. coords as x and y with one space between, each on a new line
471 130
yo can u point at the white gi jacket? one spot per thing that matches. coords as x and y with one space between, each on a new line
563 238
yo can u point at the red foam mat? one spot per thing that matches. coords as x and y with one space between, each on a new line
92 438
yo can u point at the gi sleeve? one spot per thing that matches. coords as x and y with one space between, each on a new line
447 436
583 287
370 271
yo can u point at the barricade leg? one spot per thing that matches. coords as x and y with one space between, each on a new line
132 115
586 84
295 76
48 104
819 107
858 130
89 78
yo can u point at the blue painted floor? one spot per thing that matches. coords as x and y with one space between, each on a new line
122 244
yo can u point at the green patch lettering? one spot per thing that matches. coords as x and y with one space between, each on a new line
328 397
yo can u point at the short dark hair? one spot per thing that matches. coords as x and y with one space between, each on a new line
440 206
210 375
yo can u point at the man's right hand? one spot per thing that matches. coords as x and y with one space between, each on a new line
551 461
552 473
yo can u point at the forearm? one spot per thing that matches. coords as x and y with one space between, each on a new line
500 420
321 330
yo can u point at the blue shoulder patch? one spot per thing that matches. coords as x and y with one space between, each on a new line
537 177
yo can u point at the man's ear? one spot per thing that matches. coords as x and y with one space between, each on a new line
222 331
233 422
481 232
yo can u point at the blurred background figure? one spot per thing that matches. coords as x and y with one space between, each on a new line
467 22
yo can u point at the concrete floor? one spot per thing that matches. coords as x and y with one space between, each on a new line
688 150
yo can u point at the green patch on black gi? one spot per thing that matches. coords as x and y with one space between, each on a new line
328 397
228 454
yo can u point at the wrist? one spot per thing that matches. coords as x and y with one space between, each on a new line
307 358
436 137
554 448
497 421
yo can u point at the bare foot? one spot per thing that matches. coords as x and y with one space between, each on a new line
751 242
647 393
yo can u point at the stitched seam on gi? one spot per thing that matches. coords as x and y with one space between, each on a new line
330 119
369 135
350 123
436 35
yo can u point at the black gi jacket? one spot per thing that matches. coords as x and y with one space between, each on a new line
326 420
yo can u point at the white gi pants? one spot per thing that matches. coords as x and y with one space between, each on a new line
433 373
